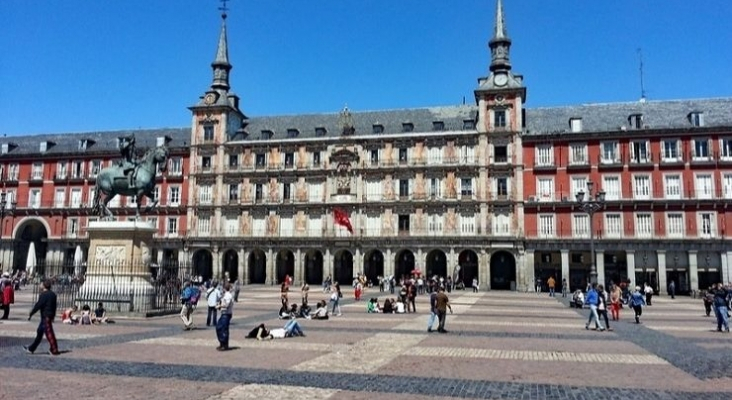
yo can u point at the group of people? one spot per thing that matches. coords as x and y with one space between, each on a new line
72 316
719 298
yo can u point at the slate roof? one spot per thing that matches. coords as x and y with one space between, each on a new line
550 120
103 142
612 116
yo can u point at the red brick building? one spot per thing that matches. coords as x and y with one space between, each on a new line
48 186
666 170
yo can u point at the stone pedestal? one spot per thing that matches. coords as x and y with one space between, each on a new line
118 267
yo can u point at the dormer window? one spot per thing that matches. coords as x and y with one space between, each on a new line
635 121
5 148
696 118
377 128
438 126
407 127
292 133
575 124
320 131
161 141
267 134
468 125
83 144
43 147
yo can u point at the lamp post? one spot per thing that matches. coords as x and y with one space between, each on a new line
590 205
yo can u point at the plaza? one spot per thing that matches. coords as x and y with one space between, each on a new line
500 345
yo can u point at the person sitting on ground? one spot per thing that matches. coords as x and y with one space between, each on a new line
304 310
388 306
69 316
86 315
294 312
284 313
321 312
373 306
260 331
400 308
100 315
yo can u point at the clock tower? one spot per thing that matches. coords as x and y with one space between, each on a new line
500 95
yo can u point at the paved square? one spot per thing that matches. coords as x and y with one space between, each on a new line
500 345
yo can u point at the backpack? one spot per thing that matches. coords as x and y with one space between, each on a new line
194 296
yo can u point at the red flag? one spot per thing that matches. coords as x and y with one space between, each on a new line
341 218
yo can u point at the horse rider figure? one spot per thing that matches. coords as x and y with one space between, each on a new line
129 159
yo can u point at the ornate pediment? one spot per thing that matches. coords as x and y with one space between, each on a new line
343 156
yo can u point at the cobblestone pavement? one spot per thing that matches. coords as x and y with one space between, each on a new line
501 345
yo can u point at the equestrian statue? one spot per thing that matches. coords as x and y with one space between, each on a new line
132 177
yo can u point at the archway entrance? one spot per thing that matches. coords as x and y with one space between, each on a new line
436 264
31 231
404 262
314 267
257 266
231 265
343 268
468 262
285 266
373 266
503 270
203 264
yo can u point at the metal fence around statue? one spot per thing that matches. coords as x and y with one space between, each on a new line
153 291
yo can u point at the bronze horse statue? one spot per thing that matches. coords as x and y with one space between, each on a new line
112 181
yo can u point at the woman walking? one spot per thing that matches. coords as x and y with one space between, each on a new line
615 300
602 305
335 298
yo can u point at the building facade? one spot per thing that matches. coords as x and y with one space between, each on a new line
428 189
48 187
484 191
666 171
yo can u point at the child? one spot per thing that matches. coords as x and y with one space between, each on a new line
86 317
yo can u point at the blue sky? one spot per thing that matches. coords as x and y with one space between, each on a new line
73 66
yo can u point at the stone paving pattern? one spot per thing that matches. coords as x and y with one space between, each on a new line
501 345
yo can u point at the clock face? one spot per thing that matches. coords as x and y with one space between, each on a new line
210 98
500 79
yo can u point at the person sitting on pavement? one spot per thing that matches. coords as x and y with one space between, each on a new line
69 316
284 313
373 306
388 306
399 308
304 311
100 315
86 315
321 312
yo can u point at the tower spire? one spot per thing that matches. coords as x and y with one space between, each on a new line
220 65
500 44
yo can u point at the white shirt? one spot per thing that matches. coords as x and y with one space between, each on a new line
227 304
277 333
400 307
213 297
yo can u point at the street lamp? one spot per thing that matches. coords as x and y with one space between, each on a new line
591 205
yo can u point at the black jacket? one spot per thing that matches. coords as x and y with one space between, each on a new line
46 304
720 298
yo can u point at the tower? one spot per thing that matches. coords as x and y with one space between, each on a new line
216 121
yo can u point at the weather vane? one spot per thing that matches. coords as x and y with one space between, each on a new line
224 8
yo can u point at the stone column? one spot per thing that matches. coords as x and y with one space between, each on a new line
452 261
328 264
693 270
564 254
271 277
358 262
726 259
421 261
243 267
216 267
299 277
662 288
388 263
484 270
630 265
600 265
525 278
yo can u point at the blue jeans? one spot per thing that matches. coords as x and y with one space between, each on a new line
292 328
722 318
222 330
433 316
551 292
594 316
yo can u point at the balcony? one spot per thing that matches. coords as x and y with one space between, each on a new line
578 164
705 159
640 161
544 165
60 177
610 162
668 161
567 233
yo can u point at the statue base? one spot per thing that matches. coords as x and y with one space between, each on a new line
118 268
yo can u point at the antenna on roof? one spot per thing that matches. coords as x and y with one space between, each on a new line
643 88
223 8
463 100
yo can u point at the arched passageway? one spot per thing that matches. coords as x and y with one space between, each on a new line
231 265
203 264
503 271
373 266
285 266
436 264
314 267
257 266
404 262
343 268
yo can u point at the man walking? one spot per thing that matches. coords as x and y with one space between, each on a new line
672 289
213 297
720 308
565 287
46 304
637 302
187 305
442 304
227 310
551 283
433 311
593 300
